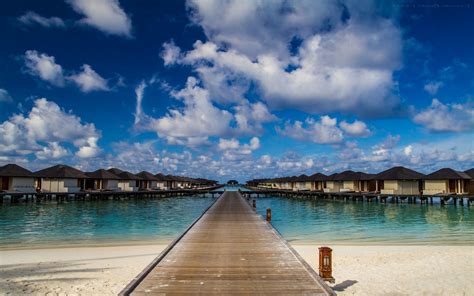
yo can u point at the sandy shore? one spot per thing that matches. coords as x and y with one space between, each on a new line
359 270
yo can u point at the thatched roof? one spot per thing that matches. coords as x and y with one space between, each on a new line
61 171
102 174
147 176
115 171
351 176
129 176
318 177
447 173
13 170
399 173
470 173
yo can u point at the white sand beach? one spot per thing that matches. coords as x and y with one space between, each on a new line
359 270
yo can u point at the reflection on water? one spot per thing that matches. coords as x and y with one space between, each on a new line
308 221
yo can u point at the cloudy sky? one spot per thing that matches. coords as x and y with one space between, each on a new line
237 89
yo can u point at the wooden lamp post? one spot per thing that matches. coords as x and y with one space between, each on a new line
325 264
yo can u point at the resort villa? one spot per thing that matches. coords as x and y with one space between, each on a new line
350 181
60 178
16 178
399 180
128 181
470 173
102 180
148 181
318 181
446 181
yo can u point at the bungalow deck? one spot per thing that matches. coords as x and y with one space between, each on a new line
229 250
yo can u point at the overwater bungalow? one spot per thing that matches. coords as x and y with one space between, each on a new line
128 181
148 182
350 181
318 181
60 178
102 180
15 178
446 181
333 183
399 180
471 182
163 182
302 183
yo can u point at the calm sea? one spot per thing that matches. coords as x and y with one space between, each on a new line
299 221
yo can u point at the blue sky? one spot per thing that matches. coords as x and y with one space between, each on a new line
237 89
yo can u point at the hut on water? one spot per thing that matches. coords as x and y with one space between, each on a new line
60 178
15 178
318 181
163 182
350 181
446 181
128 181
302 183
102 180
470 173
148 181
399 180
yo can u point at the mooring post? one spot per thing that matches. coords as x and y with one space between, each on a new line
269 215
254 204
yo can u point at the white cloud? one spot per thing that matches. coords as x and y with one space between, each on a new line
198 119
171 53
88 80
433 87
32 18
139 90
44 67
45 125
5 96
439 117
251 116
324 131
356 129
104 15
233 147
339 66
408 150
52 151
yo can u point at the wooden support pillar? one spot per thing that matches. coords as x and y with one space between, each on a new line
269 215
442 201
254 204
461 201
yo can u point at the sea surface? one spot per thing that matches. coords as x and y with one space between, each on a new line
31 225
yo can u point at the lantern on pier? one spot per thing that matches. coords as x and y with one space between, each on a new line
325 264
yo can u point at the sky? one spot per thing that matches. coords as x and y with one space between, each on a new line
237 89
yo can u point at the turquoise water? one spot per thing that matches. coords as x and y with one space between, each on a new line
27 225
98 222
337 222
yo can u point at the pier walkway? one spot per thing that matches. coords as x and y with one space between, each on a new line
230 249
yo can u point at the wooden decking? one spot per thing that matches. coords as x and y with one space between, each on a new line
230 249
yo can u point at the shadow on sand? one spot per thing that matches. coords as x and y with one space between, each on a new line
344 285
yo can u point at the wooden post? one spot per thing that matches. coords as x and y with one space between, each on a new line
254 204
269 215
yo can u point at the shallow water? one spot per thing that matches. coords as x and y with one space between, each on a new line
27 225
305 221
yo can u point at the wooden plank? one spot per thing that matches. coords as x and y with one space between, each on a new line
229 250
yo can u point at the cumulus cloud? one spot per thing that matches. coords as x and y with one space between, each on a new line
5 96
433 87
233 147
42 131
356 129
88 80
31 18
139 90
104 15
171 53
198 120
250 117
44 67
323 131
439 117
340 65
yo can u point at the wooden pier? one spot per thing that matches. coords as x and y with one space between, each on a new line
229 250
